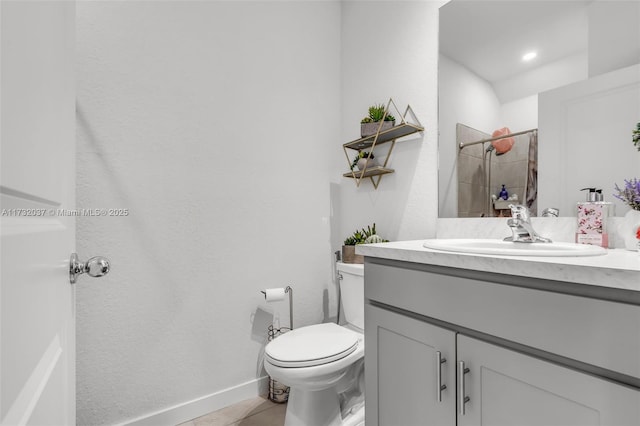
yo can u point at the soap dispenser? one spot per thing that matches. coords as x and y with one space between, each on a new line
592 219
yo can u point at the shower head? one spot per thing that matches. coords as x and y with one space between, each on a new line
492 148
502 146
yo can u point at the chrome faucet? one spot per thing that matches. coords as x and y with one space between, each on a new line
521 228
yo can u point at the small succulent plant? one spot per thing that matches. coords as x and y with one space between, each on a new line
364 236
360 155
356 238
377 113
374 239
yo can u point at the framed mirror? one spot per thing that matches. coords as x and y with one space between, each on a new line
562 77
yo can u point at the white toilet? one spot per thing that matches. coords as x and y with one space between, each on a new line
323 364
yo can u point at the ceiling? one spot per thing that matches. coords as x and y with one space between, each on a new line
490 37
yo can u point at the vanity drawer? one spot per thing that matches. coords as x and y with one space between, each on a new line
597 332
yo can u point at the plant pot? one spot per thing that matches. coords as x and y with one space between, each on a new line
349 255
368 129
628 228
368 163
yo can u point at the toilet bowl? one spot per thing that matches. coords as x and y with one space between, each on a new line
323 364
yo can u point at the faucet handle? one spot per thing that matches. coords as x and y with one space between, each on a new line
518 211
551 212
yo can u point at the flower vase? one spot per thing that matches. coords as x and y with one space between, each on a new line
628 229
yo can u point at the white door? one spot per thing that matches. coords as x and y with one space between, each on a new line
37 168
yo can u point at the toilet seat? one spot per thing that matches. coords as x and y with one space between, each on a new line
311 346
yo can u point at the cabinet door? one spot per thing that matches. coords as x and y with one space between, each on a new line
509 388
401 373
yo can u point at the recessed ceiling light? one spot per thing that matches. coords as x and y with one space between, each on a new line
529 56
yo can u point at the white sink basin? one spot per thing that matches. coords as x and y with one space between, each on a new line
508 248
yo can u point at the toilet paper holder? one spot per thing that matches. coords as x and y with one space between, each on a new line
289 290
278 392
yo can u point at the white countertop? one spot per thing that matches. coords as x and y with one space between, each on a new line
619 268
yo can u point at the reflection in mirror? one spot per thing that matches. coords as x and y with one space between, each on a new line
512 157
496 58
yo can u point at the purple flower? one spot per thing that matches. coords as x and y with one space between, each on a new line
630 194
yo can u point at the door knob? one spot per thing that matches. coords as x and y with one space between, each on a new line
95 267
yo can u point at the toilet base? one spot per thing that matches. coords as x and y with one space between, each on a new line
320 407
355 418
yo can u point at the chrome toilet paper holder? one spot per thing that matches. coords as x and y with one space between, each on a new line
289 290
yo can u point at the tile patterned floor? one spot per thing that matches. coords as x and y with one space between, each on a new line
251 412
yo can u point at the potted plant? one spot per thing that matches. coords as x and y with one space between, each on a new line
363 236
363 159
370 124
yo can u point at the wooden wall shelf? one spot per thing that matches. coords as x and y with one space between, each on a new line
404 128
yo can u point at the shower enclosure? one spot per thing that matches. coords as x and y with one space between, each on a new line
482 172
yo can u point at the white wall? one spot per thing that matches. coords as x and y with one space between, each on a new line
521 114
215 124
390 49
614 35
220 126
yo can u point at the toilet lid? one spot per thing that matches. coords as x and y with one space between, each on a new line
312 345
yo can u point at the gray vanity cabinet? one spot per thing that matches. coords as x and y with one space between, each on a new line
412 378
505 387
516 353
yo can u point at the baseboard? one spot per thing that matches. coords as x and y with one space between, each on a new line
198 407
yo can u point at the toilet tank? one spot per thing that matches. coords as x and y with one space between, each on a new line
352 292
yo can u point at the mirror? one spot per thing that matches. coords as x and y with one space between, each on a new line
586 71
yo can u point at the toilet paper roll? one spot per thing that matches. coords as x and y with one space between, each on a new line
274 294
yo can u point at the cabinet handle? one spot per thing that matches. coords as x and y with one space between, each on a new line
439 362
463 399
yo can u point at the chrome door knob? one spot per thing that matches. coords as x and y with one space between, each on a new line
95 267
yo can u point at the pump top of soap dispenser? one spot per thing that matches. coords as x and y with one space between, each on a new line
592 195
